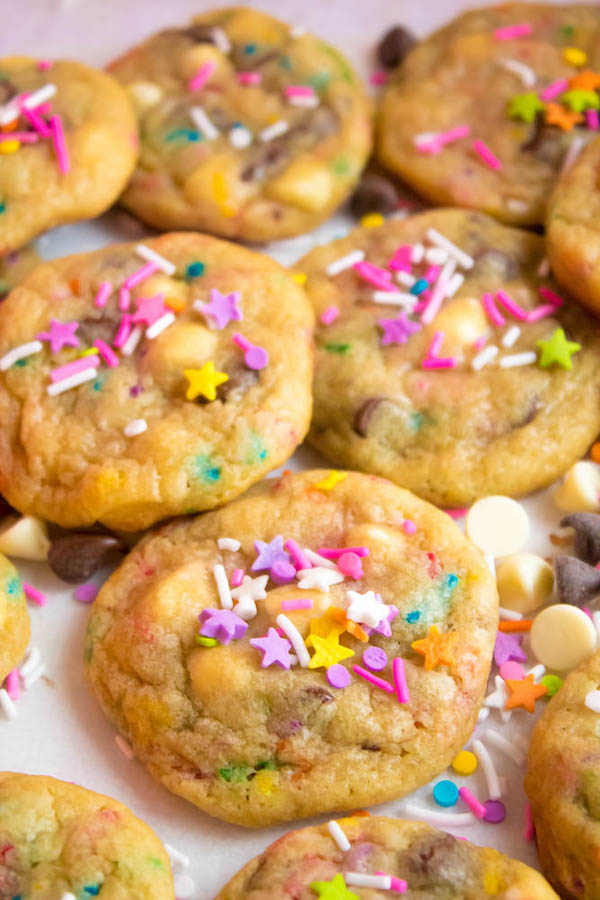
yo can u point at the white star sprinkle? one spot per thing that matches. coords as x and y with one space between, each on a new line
497 699
366 608
318 578
249 591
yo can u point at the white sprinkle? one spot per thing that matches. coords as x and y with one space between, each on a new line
135 427
177 857
489 770
124 746
223 586
521 741
33 677
405 279
8 707
515 205
319 560
228 544
425 137
160 325
42 95
436 256
462 258
132 341
221 40
9 112
184 887
297 31
484 357
511 336
72 381
390 298
68 896
295 638
575 148
537 671
309 102
518 359
596 621
510 614
240 137
544 267
149 255
273 131
31 660
417 253
525 73
440 818
203 123
454 284
482 714
491 563
18 353
592 701
344 262
448 270
339 836
501 743
361 879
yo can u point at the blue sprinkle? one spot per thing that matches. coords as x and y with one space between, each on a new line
205 468
13 587
93 889
413 616
445 793
97 385
250 48
416 420
195 269
187 133
449 584
2 206
419 286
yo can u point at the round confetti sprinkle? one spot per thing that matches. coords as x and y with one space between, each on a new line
512 670
282 572
375 658
464 763
562 637
445 793
195 269
338 676
552 683
495 812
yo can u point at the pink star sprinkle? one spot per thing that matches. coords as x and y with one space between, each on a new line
274 649
149 309
60 334
398 330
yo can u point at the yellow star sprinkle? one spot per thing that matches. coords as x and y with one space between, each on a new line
328 651
327 484
324 626
557 349
204 382
436 648
574 56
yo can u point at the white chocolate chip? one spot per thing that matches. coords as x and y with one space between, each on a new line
580 490
25 538
562 637
497 525
145 94
592 701
525 581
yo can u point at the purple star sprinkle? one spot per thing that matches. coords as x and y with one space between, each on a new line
269 554
274 649
384 627
223 308
60 334
222 624
398 330
507 647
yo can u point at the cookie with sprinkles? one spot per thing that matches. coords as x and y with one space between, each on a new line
299 650
14 619
68 145
368 856
60 840
148 380
447 360
487 111
563 784
249 128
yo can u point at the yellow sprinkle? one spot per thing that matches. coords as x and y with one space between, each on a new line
7 147
330 482
91 351
299 277
221 197
372 220
574 56
464 763
264 781
491 884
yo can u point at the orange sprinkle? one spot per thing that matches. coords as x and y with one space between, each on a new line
360 814
558 115
175 303
518 625
75 285
585 81
595 453
10 126
351 627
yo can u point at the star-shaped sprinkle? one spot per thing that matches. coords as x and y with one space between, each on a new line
384 627
60 334
366 609
558 115
328 651
524 693
557 349
222 624
507 647
269 554
497 699
223 308
204 382
149 310
318 578
579 100
525 107
398 330
324 626
327 484
274 649
333 890
436 648
249 591
348 625
585 81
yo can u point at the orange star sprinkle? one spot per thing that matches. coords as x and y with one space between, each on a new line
436 648
351 627
524 693
558 115
585 81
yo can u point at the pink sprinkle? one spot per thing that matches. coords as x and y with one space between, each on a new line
399 674
123 332
240 341
512 31
529 827
124 298
202 75
34 595
329 315
469 798
78 365
400 261
551 297
336 552
541 311
440 362
458 513
512 670
24 137
396 884
13 688
376 276
35 120
480 343
432 274
86 593
592 119
438 295
378 682
110 358
493 313
60 144
378 77
437 144
292 605
44 64
409 526
436 343
137 277
237 577
103 294
350 565
299 90
511 306
486 154
299 557
249 77
587 611
554 89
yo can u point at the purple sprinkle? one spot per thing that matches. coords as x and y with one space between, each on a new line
495 812
86 593
282 572
338 676
375 658
135 390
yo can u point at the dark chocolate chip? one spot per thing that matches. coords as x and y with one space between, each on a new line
577 583
240 380
267 160
374 194
363 415
7 90
587 535
94 328
5 508
76 556
535 406
394 46
535 135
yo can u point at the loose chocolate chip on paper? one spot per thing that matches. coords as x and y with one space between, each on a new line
577 583
394 46
587 535
75 557
374 194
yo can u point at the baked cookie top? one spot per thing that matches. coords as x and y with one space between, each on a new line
128 394
264 683
249 128
68 144
455 369
484 112
563 784
426 862
14 619
59 839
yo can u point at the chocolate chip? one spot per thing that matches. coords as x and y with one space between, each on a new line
535 135
76 556
267 160
577 583
374 194
7 90
5 508
363 415
94 328
535 406
587 535
394 46
240 380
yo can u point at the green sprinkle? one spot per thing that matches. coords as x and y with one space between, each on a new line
579 101
566 31
21 363
552 683
14 588
188 133
267 764
342 349
235 773
206 641
340 165
319 80
195 269
2 206
155 861
416 421
285 63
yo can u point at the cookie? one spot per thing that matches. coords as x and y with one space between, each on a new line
484 112
563 785
61 840
249 128
15 266
245 721
145 381
68 144
491 390
14 619
419 860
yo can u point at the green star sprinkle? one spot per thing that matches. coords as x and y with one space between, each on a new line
333 890
578 101
557 349
525 107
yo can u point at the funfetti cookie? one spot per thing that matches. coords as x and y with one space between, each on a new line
486 111
60 840
447 358
372 856
322 643
148 380
249 128
68 144
14 619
